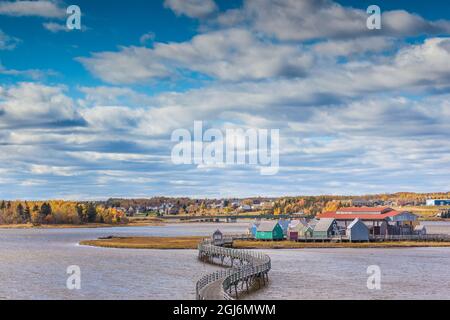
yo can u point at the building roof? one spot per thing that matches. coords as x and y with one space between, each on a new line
324 224
363 213
354 223
267 226
369 210
255 224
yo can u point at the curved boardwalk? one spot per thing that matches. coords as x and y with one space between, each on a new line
247 268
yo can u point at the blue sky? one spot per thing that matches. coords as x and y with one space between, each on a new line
88 114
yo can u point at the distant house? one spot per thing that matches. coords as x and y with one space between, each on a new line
284 224
245 208
299 229
253 228
217 237
420 230
438 202
357 231
325 228
269 230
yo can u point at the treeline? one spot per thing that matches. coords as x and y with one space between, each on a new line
58 212
310 205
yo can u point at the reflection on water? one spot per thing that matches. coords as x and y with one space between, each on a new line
33 266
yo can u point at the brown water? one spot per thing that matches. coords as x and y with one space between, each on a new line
33 266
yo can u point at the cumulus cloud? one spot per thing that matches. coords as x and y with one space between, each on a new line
147 37
353 111
7 42
294 20
31 104
129 65
233 54
192 8
43 8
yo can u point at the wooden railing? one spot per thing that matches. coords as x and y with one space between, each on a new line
414 237
253 264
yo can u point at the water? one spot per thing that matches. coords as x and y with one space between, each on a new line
33 266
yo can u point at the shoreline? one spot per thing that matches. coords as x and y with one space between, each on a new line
77 226
172 243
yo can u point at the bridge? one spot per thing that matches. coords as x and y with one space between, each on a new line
246 269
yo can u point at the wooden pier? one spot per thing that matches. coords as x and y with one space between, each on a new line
246 268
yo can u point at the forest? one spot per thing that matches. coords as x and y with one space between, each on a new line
58 212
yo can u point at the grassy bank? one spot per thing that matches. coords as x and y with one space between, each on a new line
192 242
146 242
306 245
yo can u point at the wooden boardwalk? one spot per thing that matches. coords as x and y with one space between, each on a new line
246 269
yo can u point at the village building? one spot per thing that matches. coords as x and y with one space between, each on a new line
420 230
284 224
357 231
438 202
299 229
217 237
253 228
269 230
325 228
380 220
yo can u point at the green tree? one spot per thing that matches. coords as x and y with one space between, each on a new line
81 213
26 213
45 210
20 211
91 212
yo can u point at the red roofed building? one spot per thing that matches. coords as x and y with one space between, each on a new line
380 220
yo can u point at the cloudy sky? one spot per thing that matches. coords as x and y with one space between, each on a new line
88 114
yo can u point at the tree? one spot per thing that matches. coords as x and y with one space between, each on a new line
20 212
26 213
91 212
45 211
81 213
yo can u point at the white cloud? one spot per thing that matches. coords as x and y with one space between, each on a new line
192 8
319 19
42 8
130 65
31 104
229 55
55 27
52 170
147 37
346 48
7 42
34 74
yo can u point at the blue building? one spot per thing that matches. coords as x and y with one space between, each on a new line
253 228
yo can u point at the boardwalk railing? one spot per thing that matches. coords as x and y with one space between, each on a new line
414 237
253 265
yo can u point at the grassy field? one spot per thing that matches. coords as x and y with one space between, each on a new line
192 242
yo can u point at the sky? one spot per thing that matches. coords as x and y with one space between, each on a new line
89 114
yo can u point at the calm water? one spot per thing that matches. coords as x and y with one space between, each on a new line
33 266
